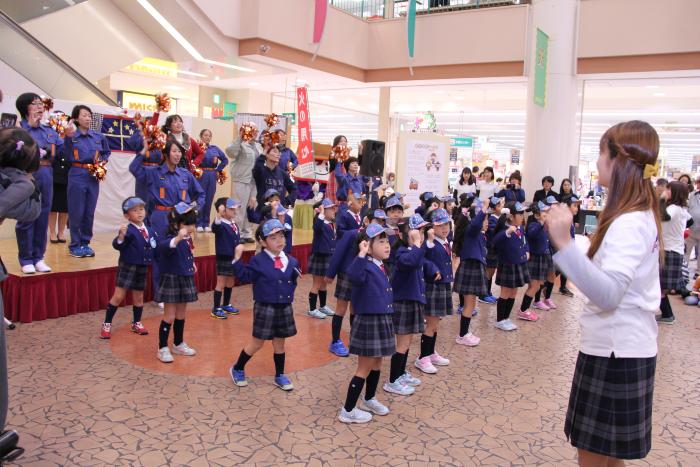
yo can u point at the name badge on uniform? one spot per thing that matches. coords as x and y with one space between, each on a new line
153 242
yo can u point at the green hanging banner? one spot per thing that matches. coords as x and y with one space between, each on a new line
541 54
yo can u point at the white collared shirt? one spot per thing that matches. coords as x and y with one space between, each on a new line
622 286
283 257
379 263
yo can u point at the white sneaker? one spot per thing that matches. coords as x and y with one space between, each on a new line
374 406
409 380
354 416
207 229
511 325
399 388
184 349
439 360
503 325
161 305
425 365
200 229
41 266
164 355
317 314
326 310
28 269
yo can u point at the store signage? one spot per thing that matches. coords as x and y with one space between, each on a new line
541 55
155 66
463 142
304 150
142 102
229 109
291 117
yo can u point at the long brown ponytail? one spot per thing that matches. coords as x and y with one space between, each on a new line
632 146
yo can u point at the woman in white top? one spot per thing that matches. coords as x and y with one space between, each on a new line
609 415
466 184
674 217
487 186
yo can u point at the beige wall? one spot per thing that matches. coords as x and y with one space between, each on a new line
250 100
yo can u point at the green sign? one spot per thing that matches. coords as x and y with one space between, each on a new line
463 142
291 117
229 109
541 53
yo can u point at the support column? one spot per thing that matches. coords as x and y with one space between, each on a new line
551 138
388 9
383 122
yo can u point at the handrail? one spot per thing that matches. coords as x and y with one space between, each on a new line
72 71
386 9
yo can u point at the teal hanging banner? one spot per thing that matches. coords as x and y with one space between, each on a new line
411 32
541 55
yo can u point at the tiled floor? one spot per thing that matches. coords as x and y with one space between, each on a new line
75 402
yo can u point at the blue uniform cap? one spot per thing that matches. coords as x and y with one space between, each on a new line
518 208
132 203
440 217
270 193
232 203
551 200
281 210
416 222
272 226
542 207
374 230
379 214
447 198
398 195
494 200
327 203
182 208
393 202
573 199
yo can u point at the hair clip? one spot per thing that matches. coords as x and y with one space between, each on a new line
651 170
19 146
42 152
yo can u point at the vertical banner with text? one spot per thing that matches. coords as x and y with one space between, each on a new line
304 150
541 56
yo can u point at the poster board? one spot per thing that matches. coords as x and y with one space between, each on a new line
423 164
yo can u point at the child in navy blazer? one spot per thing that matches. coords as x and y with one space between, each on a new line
350 218
471 279
540 264
322 248
408 283
274 276
176 287
372 331
227 238
438 292
394 212
511 243
270 210
495 206
136 244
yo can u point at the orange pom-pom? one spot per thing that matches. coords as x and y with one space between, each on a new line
196 171
272 119
48 103
59 122
341 153
248 130
98 170
163 102
221 177
202 145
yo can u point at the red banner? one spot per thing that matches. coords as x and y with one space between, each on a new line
305 149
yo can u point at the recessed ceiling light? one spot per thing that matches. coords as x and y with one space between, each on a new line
659 94
216 78
253 83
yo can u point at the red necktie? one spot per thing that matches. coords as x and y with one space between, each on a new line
278 262
190 242
357 218
144 232
448 249
235 228
381 266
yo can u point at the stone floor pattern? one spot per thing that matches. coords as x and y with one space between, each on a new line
502 403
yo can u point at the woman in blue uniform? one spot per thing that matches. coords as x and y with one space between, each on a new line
214 162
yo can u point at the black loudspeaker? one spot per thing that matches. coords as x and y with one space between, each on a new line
372 158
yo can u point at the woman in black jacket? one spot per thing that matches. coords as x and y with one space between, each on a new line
541 195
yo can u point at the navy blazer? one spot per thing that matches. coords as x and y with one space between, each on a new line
135 249
343 255
324 237
537 238
227 239
257 216
511 250
178 260
346 222
371 290
442 261
512 195
270 285
474 245
408 280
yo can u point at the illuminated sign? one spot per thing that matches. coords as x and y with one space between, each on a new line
155 66
145 103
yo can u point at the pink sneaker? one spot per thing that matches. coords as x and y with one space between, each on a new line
527 315
542 305
439 360
425 365
469 339
550 303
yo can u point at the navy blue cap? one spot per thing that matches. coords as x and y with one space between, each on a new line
132 203
271 192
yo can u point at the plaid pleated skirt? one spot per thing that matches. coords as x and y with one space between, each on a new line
372 336
671 275
318 264
272 320
470 278
408 317
343 287
610 406
539 266
438 299
512 276
224 266
176 289
131 276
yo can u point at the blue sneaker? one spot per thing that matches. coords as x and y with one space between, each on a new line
283 383
238 377
218 313
338 348
77 252
475 312
87 251
460 309
229 309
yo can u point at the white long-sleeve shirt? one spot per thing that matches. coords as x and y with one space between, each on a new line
622 286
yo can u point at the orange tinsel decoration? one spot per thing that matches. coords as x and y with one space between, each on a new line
249 129
163 102
59 122
341 153
98 170
272 120
48 103
202 145
196 171
221 177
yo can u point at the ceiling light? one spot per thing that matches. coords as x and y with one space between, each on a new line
253 83
184 42
216 78
659 94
